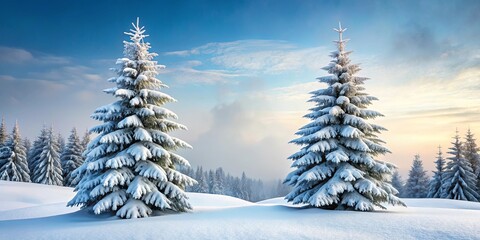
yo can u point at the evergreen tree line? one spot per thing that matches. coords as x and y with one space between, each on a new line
457 177
218 182
48 160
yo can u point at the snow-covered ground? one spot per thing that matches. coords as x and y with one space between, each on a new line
34 211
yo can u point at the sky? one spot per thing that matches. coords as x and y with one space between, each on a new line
241 70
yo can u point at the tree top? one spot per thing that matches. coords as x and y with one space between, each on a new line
137 33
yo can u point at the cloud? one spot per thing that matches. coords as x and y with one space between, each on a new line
182 53
266 56
191 75
11 55
243 60
234 46
6 78
451 115
421 50
52 60
69 74
45 88
273 61
186 72
297 92
14 55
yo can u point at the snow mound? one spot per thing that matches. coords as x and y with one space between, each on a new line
34 211
14 195
205 200
440 203
275 201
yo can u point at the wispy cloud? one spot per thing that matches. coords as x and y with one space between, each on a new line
11 55
70 74
14 55
182 53
6 78
234 46
264 56
192 75
458 90
273 61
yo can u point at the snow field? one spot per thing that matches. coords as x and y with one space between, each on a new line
35 211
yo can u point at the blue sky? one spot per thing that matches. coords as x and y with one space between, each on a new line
241 70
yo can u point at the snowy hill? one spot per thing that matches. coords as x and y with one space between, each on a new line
34 211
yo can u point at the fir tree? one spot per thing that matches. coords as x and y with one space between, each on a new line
460 181
219 182
229 185
398 184
36 150
337 167
470 151
210 180
71 158
435 189
130 167
61 143
471 154
13 159
3 133
76 177
417 182
47 167
85 140
27 144
235 187
202 183
245 187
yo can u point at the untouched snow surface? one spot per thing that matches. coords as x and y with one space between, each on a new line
34 211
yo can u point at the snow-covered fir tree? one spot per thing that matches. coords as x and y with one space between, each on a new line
27 144
85 140
130 167
71 158
219 182
61 143
37 148
470 150
47 167
435 189
202 182
74 179
245 188
235 187
459 179
3 133
398 183
337 167
13 159
471 154
417 182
